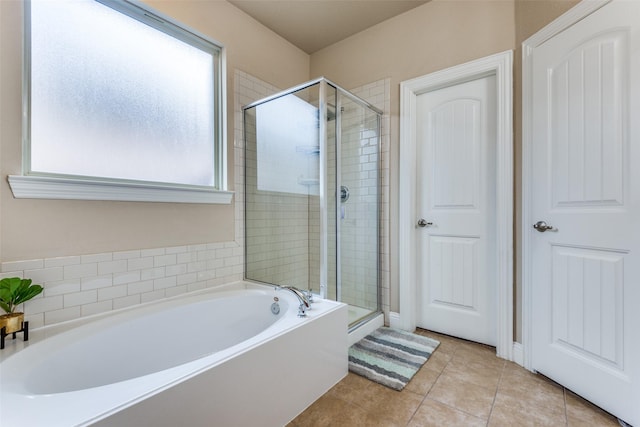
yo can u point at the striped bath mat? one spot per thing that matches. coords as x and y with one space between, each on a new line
390 357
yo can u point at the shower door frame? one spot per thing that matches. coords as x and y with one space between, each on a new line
322 135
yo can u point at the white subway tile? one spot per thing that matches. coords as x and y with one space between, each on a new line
174 270
95 282
164 283
176 250
35 320
6 274
206 255
128 277
152 296
216 263
79 298
223 253
126 301
44 274
196 286
33 264
185 279
88 259
80 270
140 263
112 292
152 273
152 252
96 308
108 267
61 261
162 260
176 290
187 257
44 304
140 287
57 316
196 248
194 267
61 287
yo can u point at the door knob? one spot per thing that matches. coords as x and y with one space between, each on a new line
423 223
542 226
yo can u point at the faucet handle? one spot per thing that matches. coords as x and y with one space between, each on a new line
302 310
309 295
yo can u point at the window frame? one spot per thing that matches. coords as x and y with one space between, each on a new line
39 185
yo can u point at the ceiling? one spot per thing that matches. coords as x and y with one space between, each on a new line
314 24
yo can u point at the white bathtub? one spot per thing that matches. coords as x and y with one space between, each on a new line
214 358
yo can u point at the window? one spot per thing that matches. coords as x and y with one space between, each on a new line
120 100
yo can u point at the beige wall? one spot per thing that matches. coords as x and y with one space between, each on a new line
45 228
437 35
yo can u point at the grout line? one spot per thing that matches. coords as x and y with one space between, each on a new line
564 400
495 396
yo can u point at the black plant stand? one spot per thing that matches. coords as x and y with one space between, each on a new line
4 334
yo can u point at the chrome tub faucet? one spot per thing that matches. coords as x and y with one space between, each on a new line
302 298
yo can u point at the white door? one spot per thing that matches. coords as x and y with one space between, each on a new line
456 182
586 185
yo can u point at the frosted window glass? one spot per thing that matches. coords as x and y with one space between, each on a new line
288 146
112 97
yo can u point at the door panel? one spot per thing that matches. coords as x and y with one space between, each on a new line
586 275
456 195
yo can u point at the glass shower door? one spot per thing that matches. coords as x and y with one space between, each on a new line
357 208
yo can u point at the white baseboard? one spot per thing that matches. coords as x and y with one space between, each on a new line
394 320
518 354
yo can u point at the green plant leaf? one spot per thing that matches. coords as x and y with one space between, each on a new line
14 291
5 307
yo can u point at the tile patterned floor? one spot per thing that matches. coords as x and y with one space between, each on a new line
462 384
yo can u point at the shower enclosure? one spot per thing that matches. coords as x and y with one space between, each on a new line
312 194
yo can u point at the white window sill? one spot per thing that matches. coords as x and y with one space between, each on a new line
42 187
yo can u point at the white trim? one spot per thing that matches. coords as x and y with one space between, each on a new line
500 65
394 320
41 187
518 355
569 18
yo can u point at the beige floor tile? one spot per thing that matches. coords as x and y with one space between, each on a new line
393 405
378 401
581 413
435 414
422 382
471 398
438 360
511 411
334 412
479 355
475 371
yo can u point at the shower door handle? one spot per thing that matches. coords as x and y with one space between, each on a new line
423 223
